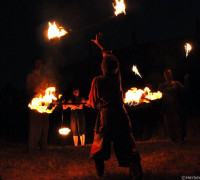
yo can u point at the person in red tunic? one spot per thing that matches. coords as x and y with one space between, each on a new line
113 123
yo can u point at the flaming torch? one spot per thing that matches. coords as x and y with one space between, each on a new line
55 31
135 70
188 48
136 96
41 103
119 7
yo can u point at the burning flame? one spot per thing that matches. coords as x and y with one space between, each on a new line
41 103
136 96
55 31
188 48
135 70
59 96
120 7
64 131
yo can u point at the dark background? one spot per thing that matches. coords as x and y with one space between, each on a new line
151 35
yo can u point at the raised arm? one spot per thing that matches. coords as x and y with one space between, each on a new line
99 42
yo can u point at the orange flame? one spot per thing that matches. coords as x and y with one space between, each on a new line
135 70
64 131
120 7
188 48
136 96
41 103
55 31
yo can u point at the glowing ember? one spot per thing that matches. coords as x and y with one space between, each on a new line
136 96
59 96
135 70
119 7
55 31
64 131
41 103
188 48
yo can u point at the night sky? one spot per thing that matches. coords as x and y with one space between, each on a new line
23 25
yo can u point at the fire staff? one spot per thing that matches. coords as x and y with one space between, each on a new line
38 122
173 114
77 117
113 123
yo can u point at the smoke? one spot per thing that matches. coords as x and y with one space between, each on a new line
54 62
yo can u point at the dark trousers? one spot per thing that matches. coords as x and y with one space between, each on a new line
38 130
123 144
78 122
173 125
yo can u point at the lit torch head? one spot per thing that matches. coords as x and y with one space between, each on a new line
55 31
188 48
119 7
135 70
41 103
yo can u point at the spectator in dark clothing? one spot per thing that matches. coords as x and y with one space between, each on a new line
77 117
113 123
38 122
173 114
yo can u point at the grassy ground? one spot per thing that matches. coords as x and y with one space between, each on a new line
160 160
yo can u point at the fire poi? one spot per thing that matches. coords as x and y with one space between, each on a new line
63 130
188 48
41 102
55 31
135 70
119 7
136 96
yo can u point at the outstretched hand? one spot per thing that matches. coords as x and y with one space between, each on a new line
88 104
98 40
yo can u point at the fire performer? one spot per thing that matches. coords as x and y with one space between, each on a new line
113 123
173 114
77 117
36 83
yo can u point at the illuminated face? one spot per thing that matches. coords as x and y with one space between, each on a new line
76 93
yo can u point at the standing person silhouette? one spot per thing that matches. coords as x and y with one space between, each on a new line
113 123
77 117
173 113
36 83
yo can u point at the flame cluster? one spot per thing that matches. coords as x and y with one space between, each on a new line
136 96
119 7
41 103
55 31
